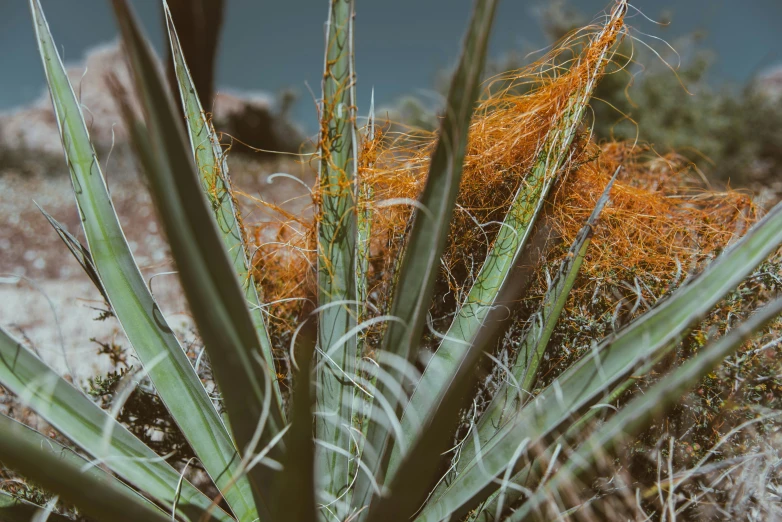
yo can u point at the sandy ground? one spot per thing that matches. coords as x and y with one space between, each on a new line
45 297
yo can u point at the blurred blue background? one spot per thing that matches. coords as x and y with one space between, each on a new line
401 44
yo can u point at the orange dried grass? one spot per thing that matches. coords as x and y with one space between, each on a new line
507 131
662 219
283 261
658 213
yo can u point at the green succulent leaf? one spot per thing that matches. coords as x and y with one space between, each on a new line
213 169
507 495
208 279
140 316
13 509
534 345
363 244
641 410
98 494
338 263
407 490
296 496
364 228
531 352
608 362
55 450
418 272
83 422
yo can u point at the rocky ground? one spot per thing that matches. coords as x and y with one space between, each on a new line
46 298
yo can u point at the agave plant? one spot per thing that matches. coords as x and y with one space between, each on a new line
360 438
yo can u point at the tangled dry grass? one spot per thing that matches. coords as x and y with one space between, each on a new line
664 221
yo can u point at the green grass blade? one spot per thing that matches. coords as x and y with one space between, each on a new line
641 410
427 240
338 263
613 359
211 286
13 509
173 376
213 169
98 495
75 416
510 240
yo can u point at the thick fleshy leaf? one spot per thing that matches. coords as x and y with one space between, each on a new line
641 410
608 362
296 491
514 233
506 401
407 490
421 263
213 169
338 263
13 509
67 409
363 244
52 448
536 340
364 222
98 494
210 284
176 382
532 349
